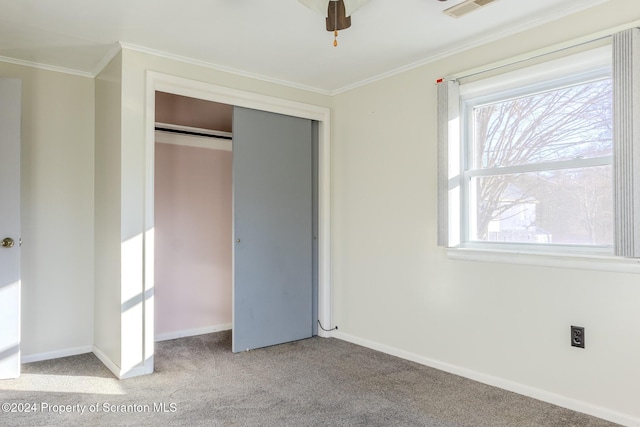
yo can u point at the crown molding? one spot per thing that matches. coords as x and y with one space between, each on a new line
465 46
234 71
114 50
46 67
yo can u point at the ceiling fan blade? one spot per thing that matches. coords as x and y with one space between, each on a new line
319 6
352 5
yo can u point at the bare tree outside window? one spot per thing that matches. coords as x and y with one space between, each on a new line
561 200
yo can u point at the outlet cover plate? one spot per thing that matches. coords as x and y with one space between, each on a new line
577 336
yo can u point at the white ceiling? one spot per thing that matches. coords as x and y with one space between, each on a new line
276 40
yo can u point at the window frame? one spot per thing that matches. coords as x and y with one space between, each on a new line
624 42
584 67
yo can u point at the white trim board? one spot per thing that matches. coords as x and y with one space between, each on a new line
192 332
586 261
65 352
535 393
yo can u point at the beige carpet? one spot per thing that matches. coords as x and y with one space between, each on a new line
315 382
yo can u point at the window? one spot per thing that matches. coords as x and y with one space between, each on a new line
543 157
539 163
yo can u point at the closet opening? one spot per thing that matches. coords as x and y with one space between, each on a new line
193 216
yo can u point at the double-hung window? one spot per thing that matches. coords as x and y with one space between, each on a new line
528 162
537 166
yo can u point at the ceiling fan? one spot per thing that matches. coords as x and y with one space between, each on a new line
337 13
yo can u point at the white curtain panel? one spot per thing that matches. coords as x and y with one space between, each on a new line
449 179
321 6
626 141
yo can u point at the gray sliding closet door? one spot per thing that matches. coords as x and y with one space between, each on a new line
272 202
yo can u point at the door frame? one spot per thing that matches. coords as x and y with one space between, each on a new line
157 81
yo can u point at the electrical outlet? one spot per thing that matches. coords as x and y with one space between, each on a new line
577 336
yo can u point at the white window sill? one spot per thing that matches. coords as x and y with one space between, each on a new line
557 260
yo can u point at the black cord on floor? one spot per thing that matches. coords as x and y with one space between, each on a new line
326 330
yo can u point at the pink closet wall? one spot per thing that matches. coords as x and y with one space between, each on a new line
197 113
193 227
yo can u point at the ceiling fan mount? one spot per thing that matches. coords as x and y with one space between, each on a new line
337 18
337 13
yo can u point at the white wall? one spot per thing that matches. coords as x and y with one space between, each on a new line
57 211
502 323
108 110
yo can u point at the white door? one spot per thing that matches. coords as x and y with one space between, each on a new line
10 228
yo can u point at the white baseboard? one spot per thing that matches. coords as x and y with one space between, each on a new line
545 396
192 332
146 368
137 371
38 357
106 361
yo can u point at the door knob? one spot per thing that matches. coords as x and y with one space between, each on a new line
7 242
